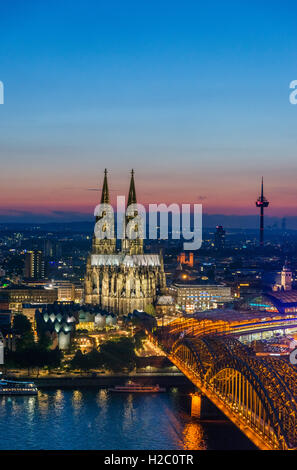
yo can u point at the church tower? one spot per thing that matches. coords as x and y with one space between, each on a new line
104 245
134 224
286 278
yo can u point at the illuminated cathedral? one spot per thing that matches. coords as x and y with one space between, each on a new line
125 279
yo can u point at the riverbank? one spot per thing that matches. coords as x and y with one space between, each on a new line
106 380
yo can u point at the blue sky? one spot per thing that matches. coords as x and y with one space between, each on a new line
195 97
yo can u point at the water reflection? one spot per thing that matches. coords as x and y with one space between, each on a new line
102 396
43 403
129 413
77 401
58 401
98 419
193 436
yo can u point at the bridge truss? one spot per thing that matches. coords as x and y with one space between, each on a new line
259 395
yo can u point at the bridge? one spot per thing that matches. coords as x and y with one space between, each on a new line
259 395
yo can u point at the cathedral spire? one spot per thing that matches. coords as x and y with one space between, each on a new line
132 192
105 192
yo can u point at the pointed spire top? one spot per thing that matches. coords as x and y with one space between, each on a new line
105 192
262 189
132 192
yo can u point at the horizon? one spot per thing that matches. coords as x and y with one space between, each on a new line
210 221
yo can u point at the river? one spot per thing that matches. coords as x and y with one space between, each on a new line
97 419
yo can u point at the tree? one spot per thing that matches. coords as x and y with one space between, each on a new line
54 358
23 329
21 324
95 359
44 341
29 354
150 310
118 355
80 361
139 338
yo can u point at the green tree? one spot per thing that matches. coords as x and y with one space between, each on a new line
21 324
95 359
44 341
119 354
80 361
54 358
23 329
150 310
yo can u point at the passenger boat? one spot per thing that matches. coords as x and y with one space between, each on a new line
12 387
132 387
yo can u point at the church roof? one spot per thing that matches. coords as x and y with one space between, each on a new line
165 300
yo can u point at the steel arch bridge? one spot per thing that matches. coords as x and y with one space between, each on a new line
258 395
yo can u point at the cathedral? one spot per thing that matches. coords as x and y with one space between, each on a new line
125 279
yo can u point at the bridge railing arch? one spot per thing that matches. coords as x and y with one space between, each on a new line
244 391
250 386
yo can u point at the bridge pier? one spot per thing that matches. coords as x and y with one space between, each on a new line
203 408
196 404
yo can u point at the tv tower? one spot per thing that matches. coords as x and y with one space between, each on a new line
262 202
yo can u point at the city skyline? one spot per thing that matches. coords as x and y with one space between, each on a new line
198 124
148 229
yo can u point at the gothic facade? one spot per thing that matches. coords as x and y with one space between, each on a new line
123 280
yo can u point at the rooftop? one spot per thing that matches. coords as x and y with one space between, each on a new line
284 297
230 316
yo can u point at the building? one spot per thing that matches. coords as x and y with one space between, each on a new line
34 265
283 302
246 325
219 238
165 305
192 296
5 320
52 249
4 300
128 279
65 291
58 322
69 292
19 295
285 280
186 259
28 311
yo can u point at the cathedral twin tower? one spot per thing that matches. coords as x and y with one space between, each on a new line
123 280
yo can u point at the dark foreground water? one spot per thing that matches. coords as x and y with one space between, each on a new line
97 419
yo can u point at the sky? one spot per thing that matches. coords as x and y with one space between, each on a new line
193 95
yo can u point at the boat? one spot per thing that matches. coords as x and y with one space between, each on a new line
133 387
13 387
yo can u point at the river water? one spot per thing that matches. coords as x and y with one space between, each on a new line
97 419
